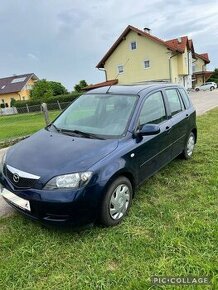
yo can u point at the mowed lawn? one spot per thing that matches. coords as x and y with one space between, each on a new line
22 124
172 229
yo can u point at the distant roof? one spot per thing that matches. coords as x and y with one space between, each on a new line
99 85
203 56
15 83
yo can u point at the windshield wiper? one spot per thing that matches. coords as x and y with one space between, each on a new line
56 128
81 133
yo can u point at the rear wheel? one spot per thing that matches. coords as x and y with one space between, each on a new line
189 146
197 89
117 202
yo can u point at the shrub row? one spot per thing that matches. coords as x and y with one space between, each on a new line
60 98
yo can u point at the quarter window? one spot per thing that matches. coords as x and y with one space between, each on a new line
146 63
133 45
153 110
120 69
174 101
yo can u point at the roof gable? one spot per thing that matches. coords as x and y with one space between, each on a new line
203 56
123 35
15 83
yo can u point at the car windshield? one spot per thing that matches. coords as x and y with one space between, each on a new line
103 115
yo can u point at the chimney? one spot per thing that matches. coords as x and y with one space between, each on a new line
179 39
147 30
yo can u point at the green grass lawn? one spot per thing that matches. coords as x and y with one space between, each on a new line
22 124
172 229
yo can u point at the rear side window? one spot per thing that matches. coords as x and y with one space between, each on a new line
185 98
153 110
174 101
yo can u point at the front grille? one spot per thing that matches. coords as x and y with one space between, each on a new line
22 183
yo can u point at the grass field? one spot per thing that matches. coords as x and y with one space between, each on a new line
23 124
172 229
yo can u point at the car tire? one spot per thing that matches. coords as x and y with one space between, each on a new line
197 90
189 146
212 88
117 202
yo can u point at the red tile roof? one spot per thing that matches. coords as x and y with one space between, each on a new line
203 56
9 85
179 44
175 45
99 85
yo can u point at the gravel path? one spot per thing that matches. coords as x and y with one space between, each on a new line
203 102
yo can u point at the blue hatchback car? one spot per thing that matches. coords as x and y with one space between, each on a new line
86 165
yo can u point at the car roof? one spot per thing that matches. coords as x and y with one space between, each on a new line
136 89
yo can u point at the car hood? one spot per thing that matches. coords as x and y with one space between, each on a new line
49 154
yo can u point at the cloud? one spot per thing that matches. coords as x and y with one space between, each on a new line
64 40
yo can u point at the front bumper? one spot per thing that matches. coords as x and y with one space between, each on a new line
64 207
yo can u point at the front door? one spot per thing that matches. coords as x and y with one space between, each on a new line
153 152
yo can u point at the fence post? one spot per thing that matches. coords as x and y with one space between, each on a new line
45 111
27 107
59 105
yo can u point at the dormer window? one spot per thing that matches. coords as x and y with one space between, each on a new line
133 45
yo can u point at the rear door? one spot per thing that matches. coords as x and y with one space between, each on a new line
179 120
153 152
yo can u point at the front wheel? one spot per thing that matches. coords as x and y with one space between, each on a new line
189 146
212 88
117 202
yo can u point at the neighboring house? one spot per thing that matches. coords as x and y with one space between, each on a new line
16 87
137 57
200 73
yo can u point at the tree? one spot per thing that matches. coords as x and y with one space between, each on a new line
44 89
57 88
78 87
214 77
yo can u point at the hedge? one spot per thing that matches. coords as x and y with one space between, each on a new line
60 98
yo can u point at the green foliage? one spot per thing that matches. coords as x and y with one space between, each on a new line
57 88
44 89
13 102
82 84
49 100
214 77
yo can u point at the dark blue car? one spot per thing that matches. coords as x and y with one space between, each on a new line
86 165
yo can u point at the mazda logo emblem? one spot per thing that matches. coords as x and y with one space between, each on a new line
16 177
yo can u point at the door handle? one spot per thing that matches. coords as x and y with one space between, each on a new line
168 128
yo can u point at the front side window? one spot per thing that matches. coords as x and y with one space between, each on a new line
153 110
146 63
102 115
133 45
174 101
120 69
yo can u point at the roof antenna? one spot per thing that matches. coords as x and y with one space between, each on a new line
116 76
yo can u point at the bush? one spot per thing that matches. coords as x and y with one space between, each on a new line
61 98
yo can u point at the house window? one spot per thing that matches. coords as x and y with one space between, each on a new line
133 45
120 69
146 63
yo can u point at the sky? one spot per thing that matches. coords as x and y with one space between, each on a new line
63 40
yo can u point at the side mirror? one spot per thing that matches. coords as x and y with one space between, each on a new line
149 129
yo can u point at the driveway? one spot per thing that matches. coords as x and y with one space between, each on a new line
203 102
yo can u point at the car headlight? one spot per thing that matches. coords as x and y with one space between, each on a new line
73 180
2 163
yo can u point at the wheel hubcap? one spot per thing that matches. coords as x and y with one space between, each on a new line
119 201
190 145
